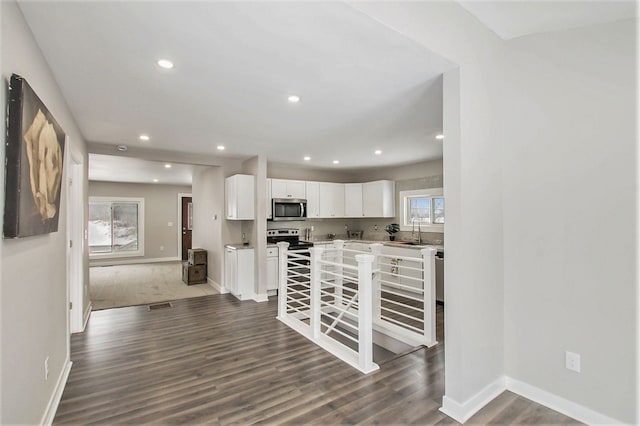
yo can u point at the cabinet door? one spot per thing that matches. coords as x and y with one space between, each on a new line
313 199
353 200
230 197
272 273
269 203
239 196
296 189
283 188
331 200
378 199
245 188
231 270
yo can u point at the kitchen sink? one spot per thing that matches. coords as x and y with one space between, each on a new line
406 243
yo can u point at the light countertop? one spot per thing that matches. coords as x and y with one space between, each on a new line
239 246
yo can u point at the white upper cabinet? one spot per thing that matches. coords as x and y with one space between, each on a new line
313 199
331 200
283 188
353 200
378 199
240 197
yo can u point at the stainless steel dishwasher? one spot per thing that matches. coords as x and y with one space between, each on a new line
440 276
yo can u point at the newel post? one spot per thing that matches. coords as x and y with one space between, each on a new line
283 248
365 312
429 287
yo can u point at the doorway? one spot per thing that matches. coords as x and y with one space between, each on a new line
186 224
75 247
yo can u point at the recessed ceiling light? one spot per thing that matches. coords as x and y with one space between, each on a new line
336 162
155 180
220 147
440 137
294 99
165 63
167 166
377 152
307 158
122 148
144 137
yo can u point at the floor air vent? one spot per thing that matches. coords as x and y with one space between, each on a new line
160 306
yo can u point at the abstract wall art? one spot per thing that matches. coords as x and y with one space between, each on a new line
34 164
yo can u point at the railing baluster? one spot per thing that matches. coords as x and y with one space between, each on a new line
316 256
429 293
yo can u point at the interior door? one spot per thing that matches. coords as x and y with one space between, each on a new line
187 220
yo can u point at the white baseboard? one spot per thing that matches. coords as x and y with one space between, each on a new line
462 412
264 297
559 404
87 314
218 287
54 401
133 261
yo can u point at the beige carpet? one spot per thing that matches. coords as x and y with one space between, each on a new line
128 285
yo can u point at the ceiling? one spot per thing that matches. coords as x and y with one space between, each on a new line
363 86
127 169
516 18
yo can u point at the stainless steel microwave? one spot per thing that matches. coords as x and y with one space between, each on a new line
289 209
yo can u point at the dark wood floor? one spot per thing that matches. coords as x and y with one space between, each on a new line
215 360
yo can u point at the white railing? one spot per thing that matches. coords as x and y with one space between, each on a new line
338 297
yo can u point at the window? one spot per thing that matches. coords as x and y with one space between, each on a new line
116 227
424 207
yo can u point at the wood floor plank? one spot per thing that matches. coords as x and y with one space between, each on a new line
216 360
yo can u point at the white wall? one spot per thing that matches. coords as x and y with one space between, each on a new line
33 283
211 230
160 208
543 120
569 214
472 177
256 230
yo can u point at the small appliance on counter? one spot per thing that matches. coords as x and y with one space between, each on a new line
354 235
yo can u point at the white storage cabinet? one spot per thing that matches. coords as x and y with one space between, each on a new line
378 199
239 276
331 200
313 199
353 200
272 269
284 188
240 197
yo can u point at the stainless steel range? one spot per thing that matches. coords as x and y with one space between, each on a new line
290 235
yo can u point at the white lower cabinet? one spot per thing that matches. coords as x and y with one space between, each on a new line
272 269
239 276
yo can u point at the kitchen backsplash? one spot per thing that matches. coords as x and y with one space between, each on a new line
373 229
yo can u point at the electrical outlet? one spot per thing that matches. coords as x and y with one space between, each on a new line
161 248
169 224
572 361
46 368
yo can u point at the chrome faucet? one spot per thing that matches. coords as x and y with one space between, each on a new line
413 230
